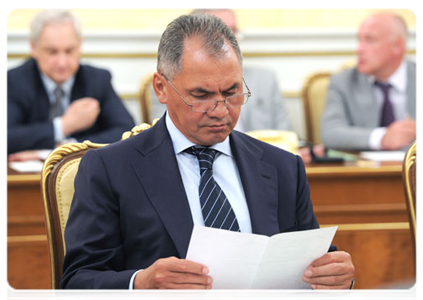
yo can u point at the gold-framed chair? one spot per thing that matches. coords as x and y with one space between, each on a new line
314 100
145 98
287 140
409 180
57 178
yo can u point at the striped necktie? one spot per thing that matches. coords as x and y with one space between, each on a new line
216 209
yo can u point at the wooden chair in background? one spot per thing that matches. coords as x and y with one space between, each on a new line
409 179
314 101
57 178
145 98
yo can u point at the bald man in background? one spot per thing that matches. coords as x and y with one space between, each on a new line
373 105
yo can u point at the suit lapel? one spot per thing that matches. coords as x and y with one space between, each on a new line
79 86
370 113
157 171
259 181
42 102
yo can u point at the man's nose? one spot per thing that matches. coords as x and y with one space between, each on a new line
220 109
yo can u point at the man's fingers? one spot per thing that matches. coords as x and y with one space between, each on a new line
184 266
326 270
331 257
332 270
336 280
189 278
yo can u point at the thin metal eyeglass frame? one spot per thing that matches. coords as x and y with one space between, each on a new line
215 100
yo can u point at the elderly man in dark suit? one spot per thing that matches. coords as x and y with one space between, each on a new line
136 201
53 98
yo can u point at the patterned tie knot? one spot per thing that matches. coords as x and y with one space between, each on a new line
205 157
383 86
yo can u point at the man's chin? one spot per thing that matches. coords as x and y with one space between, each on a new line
60 78
363 69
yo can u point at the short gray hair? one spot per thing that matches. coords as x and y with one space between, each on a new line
50 16
213 32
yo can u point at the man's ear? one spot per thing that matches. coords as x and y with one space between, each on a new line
399 46
160 88
33 49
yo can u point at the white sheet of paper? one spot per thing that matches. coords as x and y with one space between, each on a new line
242 261
383 155
27 166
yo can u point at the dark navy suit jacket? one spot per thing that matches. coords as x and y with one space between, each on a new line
28 106
130 207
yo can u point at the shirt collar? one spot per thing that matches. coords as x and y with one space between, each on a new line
50 84
180 142
398 80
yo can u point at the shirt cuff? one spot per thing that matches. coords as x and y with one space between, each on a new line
375 138
58 130
131 282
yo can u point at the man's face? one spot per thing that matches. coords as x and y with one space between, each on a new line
57 51
204 77
375 47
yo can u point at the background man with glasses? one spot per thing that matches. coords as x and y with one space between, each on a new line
136 201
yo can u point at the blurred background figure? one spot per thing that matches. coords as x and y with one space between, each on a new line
373 105
265 109
53 98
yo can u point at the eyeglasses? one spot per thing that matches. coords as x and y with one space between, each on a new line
210 104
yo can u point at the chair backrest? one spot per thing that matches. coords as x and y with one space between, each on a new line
57 182
409 179
314 101
287 140
145 98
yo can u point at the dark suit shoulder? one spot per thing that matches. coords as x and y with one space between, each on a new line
94 72
29 64
24 76
143 142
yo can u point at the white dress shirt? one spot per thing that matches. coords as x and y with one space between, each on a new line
398 98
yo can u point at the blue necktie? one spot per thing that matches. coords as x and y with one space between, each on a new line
387 115
216 209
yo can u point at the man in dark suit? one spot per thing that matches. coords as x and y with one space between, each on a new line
53 98
136 201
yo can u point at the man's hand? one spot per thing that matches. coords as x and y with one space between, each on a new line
80 115
173 273
24 156
334 270
399 134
